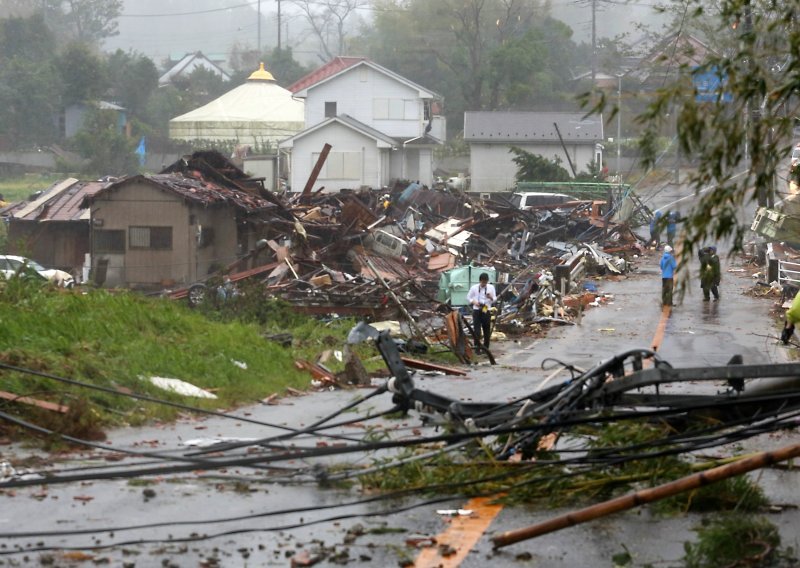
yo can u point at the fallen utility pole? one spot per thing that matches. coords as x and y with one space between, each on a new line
631 500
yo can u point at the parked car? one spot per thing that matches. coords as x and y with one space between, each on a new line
11 265
526 199
795 155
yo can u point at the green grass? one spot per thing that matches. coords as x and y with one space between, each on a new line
20 188
113 339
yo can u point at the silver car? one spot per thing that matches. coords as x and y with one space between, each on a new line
11 265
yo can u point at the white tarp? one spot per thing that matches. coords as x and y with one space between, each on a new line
180 387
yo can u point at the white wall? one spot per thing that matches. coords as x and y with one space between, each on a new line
492 168
341 139
355 92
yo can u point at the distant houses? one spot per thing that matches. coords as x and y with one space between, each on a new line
380 125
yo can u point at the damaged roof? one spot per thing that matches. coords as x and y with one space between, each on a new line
511 127
194 188
63 201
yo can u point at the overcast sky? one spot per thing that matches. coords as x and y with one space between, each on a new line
172 28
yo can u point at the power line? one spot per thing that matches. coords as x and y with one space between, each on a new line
193 13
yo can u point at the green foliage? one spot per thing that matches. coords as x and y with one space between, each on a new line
284 67
133 79
111 339
533 167
105 146
750 131
737 540
484 54
26 38
82 74
28 106
201 85
83 20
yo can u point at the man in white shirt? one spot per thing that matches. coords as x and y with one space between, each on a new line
481 297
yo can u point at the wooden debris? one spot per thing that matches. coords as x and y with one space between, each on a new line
43 404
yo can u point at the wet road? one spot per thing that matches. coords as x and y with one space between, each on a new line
697 333
270 524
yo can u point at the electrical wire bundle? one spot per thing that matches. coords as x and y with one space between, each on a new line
322 453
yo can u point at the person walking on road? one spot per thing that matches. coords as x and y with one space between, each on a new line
673 217
481 297
655 228
668 267
710 275
792 317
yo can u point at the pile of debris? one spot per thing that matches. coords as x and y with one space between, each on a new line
411 253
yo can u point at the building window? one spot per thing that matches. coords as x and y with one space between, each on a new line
395 109
109 242
330 109
152 238
340 165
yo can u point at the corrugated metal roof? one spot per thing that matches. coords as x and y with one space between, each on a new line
62 202
530 127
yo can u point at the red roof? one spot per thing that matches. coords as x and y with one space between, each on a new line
332 67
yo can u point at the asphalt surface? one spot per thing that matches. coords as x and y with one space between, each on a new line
697 334
241 517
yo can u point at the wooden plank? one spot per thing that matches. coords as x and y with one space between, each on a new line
427 366
34 402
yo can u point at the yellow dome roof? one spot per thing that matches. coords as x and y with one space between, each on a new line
261 74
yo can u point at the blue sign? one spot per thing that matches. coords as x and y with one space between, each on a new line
708 85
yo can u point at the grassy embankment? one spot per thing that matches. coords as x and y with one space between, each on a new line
20 188
112 339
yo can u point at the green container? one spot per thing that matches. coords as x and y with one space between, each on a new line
454 284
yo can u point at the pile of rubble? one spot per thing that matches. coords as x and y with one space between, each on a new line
412 253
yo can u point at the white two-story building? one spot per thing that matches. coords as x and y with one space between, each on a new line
381 127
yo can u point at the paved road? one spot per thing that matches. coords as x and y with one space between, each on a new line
697 333
279 522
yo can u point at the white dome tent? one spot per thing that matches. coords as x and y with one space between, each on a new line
259 111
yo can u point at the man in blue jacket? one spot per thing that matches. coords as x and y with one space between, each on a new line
668 267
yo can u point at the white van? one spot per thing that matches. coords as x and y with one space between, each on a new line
526 200
383 243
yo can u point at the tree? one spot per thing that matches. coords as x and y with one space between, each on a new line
282 65
738 134
82 74
327 20
133 78
29 101
109 151
83 20
484 54
534 167
28 38
28 104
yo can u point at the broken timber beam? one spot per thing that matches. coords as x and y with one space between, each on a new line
312 179
34 402
631 500
426 366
